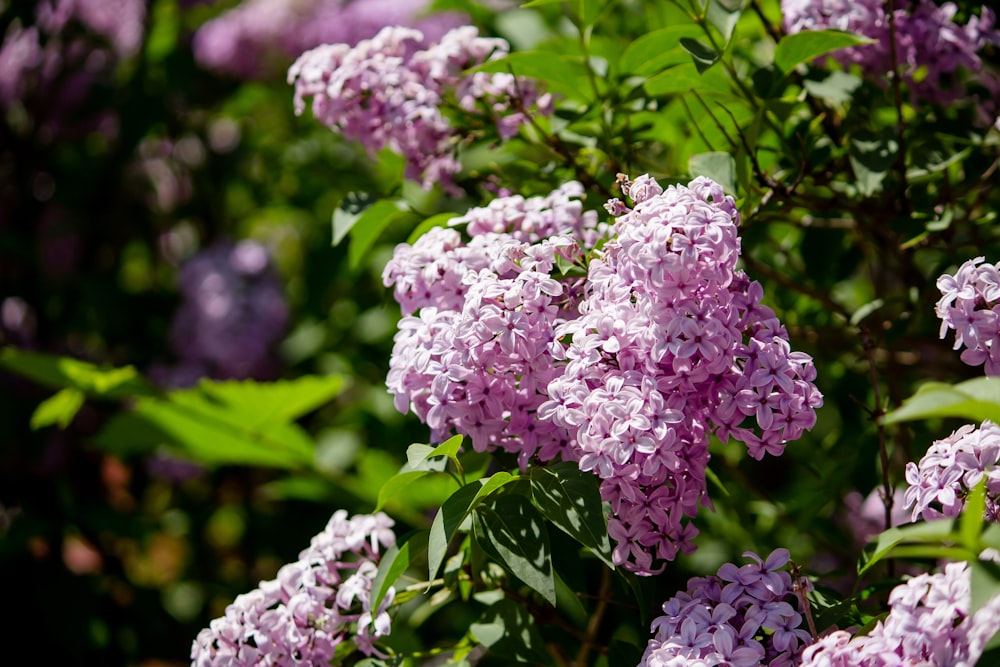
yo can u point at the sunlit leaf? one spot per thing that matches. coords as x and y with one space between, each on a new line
654 51
509 630
61 372
976 400
933 532
570 498
719 166
800 47
396 560
60 408
513 533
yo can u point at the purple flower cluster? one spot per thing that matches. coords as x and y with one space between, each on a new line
940 482
970 304
258 37
476 357
930 48
929 624
232 316
315 604
628 371
672 345
740 617
389 91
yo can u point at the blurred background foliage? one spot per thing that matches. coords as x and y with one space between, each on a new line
123 157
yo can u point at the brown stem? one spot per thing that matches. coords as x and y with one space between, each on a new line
590 638
897 98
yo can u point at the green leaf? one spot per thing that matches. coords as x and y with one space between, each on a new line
60 408
571 499
395 561
512 532
719 166
977 400
60 372
684 78
395 484
804 46
703 55
873 155
724 15
924 532
453 513
837 86
273 402
563 74
214 424
657 50
369 226
509 631
589 11
418 456
970 525
343 221
439 220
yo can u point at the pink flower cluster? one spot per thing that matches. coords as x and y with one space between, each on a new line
929 624
970 305
248 39
741 617
476 357
940 482
628 372
930 47
389 91
315 604
672 345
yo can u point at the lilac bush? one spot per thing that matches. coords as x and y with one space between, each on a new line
744 616
232 315
931 49
392 91
316 606
241 41
929 623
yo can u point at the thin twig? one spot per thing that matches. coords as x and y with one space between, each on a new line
897 98
594 624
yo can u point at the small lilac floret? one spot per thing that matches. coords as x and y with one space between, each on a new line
970 306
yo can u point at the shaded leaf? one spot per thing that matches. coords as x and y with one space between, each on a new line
395 484
571 499
702 54
366 229
512 532
724 15
657 50
873 155
507 629
395 561
719 166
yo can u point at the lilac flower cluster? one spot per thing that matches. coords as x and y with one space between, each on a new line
930 48
243 41
929 624
388 91
741 617
315 604
672 345
940 482
232 315
628 372
475 358
970 304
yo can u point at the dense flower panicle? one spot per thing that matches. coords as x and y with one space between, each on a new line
473 349
672 345
951 468
389 91
929 624
242 40
930 48
743 617
314 605
970 305
232 315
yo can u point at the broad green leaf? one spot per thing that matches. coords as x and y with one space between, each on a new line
804 46
703 55
561 73
924 532
395 561
724 15
719 166
512 532
570 498
60 408
61 372
368 227
684 78
453 513
343 221
274 402
589 11
977 400
654 51
439 220
837 86
510 632
418 456
395 484
873 156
